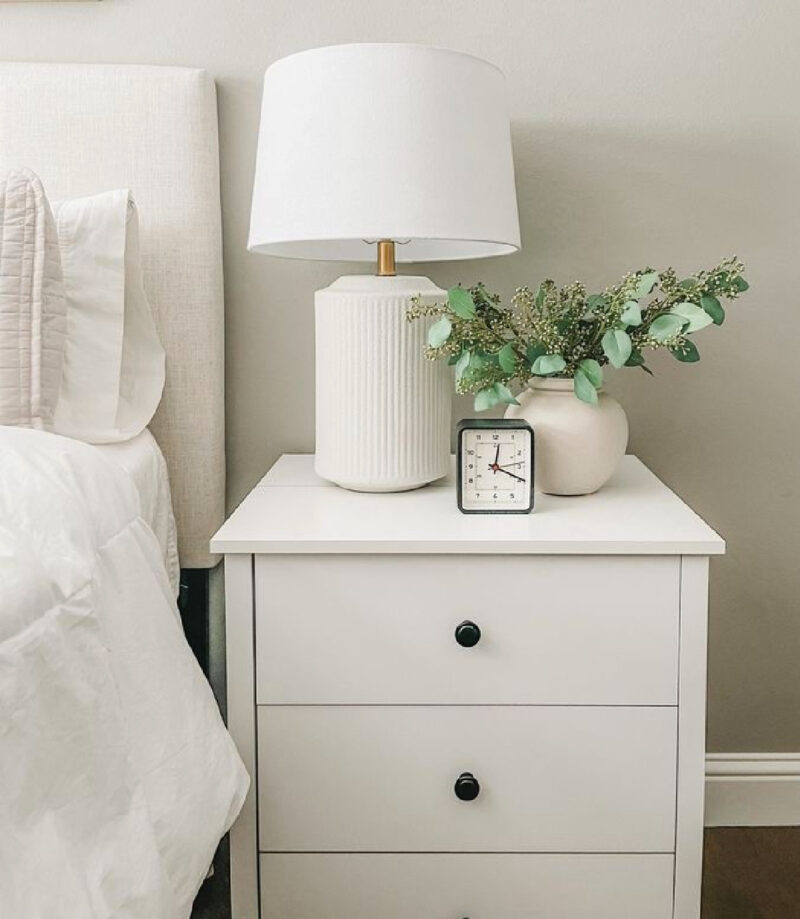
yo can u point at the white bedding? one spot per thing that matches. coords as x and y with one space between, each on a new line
117 777
144 462
114 368
33 319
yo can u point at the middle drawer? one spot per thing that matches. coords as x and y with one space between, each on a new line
554 630
548 779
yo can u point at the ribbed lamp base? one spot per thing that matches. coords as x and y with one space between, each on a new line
383 409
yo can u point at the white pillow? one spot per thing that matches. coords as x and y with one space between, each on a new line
114 364
32 307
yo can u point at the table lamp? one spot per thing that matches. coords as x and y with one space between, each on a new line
386 153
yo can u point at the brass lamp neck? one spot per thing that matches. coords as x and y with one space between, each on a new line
386 258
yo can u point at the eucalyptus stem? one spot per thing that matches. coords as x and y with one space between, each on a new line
566 332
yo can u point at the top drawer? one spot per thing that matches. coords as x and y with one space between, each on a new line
554 630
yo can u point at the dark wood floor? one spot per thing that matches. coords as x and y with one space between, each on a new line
748 873
752 873
213 901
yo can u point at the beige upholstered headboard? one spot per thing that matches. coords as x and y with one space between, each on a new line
88 128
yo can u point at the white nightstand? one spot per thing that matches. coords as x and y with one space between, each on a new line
553 768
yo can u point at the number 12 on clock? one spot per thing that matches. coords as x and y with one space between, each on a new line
495 466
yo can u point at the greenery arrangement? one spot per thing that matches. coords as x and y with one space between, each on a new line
563 332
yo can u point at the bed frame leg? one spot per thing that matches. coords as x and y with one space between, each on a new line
201 605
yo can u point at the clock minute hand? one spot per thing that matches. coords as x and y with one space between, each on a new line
506 472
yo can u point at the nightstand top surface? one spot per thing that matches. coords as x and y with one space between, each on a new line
293 511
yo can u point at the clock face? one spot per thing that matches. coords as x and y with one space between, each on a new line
496 468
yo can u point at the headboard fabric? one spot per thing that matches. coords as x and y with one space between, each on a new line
86 128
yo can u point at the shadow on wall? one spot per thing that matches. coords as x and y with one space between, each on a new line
597 202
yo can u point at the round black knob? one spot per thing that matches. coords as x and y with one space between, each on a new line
467 634
467 787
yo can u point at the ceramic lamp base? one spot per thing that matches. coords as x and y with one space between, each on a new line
383 409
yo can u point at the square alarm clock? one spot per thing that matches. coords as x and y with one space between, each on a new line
495 466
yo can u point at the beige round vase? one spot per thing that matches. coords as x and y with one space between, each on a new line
577 446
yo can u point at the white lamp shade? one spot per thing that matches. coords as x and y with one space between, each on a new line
384 141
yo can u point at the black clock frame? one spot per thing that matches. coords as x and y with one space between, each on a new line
483 424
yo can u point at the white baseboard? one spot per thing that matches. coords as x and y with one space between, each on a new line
752 789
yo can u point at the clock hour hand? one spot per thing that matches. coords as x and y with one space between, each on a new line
513 476
493 466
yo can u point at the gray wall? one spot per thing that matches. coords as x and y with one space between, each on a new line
657 132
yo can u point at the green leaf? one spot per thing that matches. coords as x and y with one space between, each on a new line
539 301
631 313
504 394
439 332
696 317
595 301
462 363
507 358
687 283
486 398
477 360
637 360
686 352
533 352
664 327
714 309
616 346
584 388
461 303
548 363
645 284
740 284
592 370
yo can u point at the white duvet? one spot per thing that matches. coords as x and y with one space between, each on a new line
117 777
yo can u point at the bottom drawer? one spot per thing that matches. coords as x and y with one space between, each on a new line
444 886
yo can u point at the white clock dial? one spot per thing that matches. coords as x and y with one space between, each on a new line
496 468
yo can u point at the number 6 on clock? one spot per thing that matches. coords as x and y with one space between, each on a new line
495 466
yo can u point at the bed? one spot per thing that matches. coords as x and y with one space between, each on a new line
153 130
117 777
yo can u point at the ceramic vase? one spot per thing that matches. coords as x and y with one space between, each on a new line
578 446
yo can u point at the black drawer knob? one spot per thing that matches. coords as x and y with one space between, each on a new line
467 787
467 634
